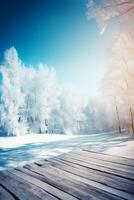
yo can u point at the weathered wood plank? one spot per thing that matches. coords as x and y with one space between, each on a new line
111 165
5 195
21 189
101 168
100 186
108 157
38 181
77 175
101 177
57 182
70 183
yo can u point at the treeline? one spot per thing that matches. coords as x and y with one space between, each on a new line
32 101
118 83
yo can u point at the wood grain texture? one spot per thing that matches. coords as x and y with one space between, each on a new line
101 177
109 158
82 175
21 189
88 159
70 183
5 195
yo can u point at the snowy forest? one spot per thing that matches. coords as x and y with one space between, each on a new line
117 84
33 101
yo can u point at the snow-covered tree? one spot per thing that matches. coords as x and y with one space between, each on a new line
12 98
31 101
27 95
106 10
118 81
97 117
41 97
68 112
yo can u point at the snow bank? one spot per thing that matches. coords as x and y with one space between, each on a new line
12 142
125 149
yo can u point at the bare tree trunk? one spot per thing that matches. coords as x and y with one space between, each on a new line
119 124
132 122
40 130
131 113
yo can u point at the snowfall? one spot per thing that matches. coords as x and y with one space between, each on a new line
17 151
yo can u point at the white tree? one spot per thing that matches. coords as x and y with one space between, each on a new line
68 112
33 102
12 98
45 90
119 78
107 10
27 95
96 116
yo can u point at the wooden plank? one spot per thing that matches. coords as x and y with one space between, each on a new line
38 181
101 177
118 193
77 164
70 185
108 157
77 175
21 189
111 165
5 195
56 181
115 172
88 157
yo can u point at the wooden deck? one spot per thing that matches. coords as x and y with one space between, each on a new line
76 175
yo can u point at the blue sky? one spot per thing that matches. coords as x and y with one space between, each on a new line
57 33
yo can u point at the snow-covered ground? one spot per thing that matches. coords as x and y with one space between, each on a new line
17 151
13 142
125 149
